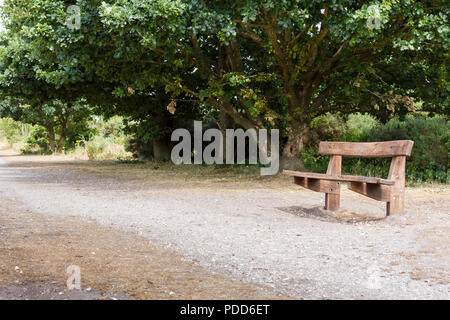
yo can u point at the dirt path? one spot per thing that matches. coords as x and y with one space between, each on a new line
37 249
264 232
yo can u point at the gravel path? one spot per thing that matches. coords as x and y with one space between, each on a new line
255 235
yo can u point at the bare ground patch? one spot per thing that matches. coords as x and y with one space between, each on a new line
35 251
432 263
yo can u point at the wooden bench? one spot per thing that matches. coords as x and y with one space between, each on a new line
390 190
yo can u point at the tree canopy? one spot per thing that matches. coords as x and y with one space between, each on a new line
255 63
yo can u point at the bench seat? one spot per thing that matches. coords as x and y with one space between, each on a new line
338 177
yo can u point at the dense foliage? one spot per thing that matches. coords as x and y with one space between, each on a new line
250 63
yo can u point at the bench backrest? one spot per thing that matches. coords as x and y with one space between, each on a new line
367 149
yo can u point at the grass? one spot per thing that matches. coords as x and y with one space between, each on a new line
140 171
165 172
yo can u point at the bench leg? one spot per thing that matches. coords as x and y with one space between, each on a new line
397 205
397 173
332 201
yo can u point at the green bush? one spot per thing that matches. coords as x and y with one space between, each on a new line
314 161
95 147
329 127
37 142
429 159
14 131
357 124
108 142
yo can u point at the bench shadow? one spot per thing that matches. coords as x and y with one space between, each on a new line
340 216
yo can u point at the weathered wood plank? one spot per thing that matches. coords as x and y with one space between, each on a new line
397 173
318 185
375 191
367 149
343 178
333 201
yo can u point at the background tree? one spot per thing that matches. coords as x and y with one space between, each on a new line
326 56
28 98
111 70
253 64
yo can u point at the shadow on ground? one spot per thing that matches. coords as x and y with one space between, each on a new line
340 216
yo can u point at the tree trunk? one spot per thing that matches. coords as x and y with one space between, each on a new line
51 138
226 122
62 135
161 149
62 142
298 136
161 141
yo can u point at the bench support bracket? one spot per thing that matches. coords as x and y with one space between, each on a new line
371 190
332 187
